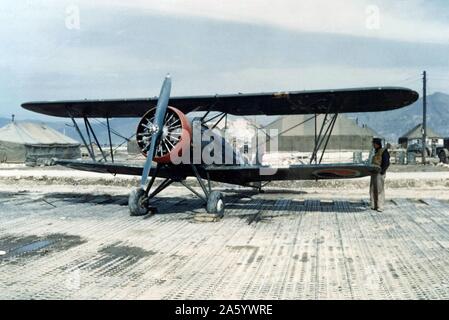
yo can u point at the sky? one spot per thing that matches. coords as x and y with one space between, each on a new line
56 49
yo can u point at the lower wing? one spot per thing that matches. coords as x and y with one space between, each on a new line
240 175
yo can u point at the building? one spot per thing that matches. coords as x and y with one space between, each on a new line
414 136
32 143
295 134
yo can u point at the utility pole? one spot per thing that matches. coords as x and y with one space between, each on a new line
424 117
257 146
316 142
257 141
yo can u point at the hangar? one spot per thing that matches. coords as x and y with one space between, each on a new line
295 133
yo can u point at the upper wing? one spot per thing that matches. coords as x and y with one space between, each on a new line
280 103
240 175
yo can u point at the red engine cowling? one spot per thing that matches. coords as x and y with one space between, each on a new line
176 133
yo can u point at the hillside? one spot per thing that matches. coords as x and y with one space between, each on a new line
4 121
393 124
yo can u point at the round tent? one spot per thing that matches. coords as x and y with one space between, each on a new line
32 143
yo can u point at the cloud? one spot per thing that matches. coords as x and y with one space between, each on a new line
124 48
411 20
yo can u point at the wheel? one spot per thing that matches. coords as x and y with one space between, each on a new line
216 203
138 202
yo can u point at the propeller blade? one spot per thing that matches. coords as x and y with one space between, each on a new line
161 110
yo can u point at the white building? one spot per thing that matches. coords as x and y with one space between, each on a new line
415 136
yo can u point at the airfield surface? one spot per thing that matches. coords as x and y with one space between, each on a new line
73 241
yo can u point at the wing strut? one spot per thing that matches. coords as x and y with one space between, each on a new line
219 120
91 147
91 134
110 140
81 136
327 126
334 119
89 127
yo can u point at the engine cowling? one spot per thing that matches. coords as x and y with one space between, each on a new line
176 134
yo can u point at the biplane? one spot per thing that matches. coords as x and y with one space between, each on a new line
165 132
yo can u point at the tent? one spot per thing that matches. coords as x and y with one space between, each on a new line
35 143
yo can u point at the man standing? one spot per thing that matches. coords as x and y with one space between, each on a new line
381 159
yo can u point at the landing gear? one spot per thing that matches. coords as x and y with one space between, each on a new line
138 202
139 199
215 203
214 200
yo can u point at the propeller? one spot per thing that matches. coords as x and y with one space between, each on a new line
156 128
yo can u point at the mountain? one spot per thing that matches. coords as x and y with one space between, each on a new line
393 124
4 121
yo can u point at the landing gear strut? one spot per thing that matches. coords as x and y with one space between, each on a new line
214 200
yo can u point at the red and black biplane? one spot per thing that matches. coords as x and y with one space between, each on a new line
165 132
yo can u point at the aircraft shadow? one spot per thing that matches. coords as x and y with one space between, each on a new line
250 192
236 202
88 198
273 207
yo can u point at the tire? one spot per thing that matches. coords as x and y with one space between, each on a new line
215 203
137 203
